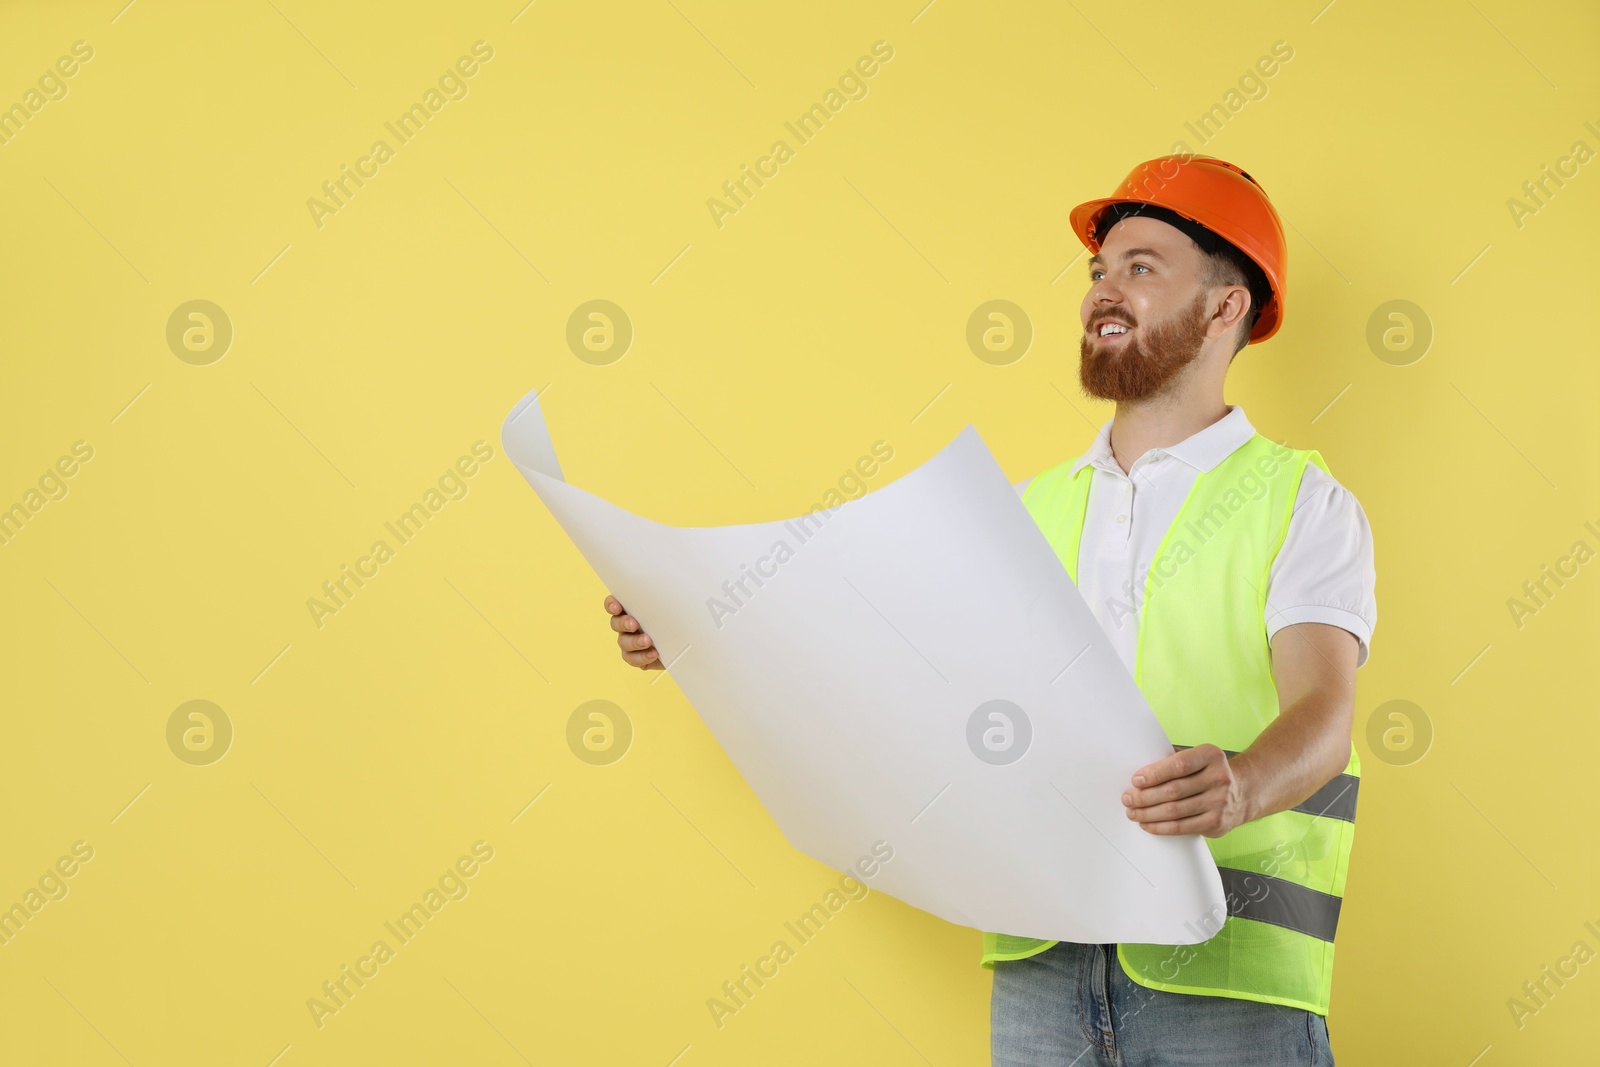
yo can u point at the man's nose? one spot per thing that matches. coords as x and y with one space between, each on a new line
1103 293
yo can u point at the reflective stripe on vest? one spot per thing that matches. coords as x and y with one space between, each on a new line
1204 665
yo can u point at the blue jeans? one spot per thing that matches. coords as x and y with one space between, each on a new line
1072 1006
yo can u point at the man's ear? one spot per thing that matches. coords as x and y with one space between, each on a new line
1233 306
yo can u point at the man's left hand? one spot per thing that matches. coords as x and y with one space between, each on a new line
1195 791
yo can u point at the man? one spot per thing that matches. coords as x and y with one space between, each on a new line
1235 578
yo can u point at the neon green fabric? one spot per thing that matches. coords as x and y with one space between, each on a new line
1204 665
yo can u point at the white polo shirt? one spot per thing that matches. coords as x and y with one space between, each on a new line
1323 573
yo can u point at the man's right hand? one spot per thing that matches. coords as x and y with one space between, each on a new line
637 648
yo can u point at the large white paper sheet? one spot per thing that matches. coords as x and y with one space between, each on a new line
914 668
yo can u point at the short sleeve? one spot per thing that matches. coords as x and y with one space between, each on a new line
1325 570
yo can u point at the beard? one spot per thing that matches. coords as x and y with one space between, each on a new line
1150 357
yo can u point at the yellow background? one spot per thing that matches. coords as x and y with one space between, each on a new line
768 355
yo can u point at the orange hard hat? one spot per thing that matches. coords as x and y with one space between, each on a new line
1206 198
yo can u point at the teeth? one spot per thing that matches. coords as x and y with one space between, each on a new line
1112 327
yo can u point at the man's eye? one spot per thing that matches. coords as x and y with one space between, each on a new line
1094 275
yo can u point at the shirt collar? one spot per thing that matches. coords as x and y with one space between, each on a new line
1202 450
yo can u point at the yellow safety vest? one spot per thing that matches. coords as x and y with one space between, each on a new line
1204 665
